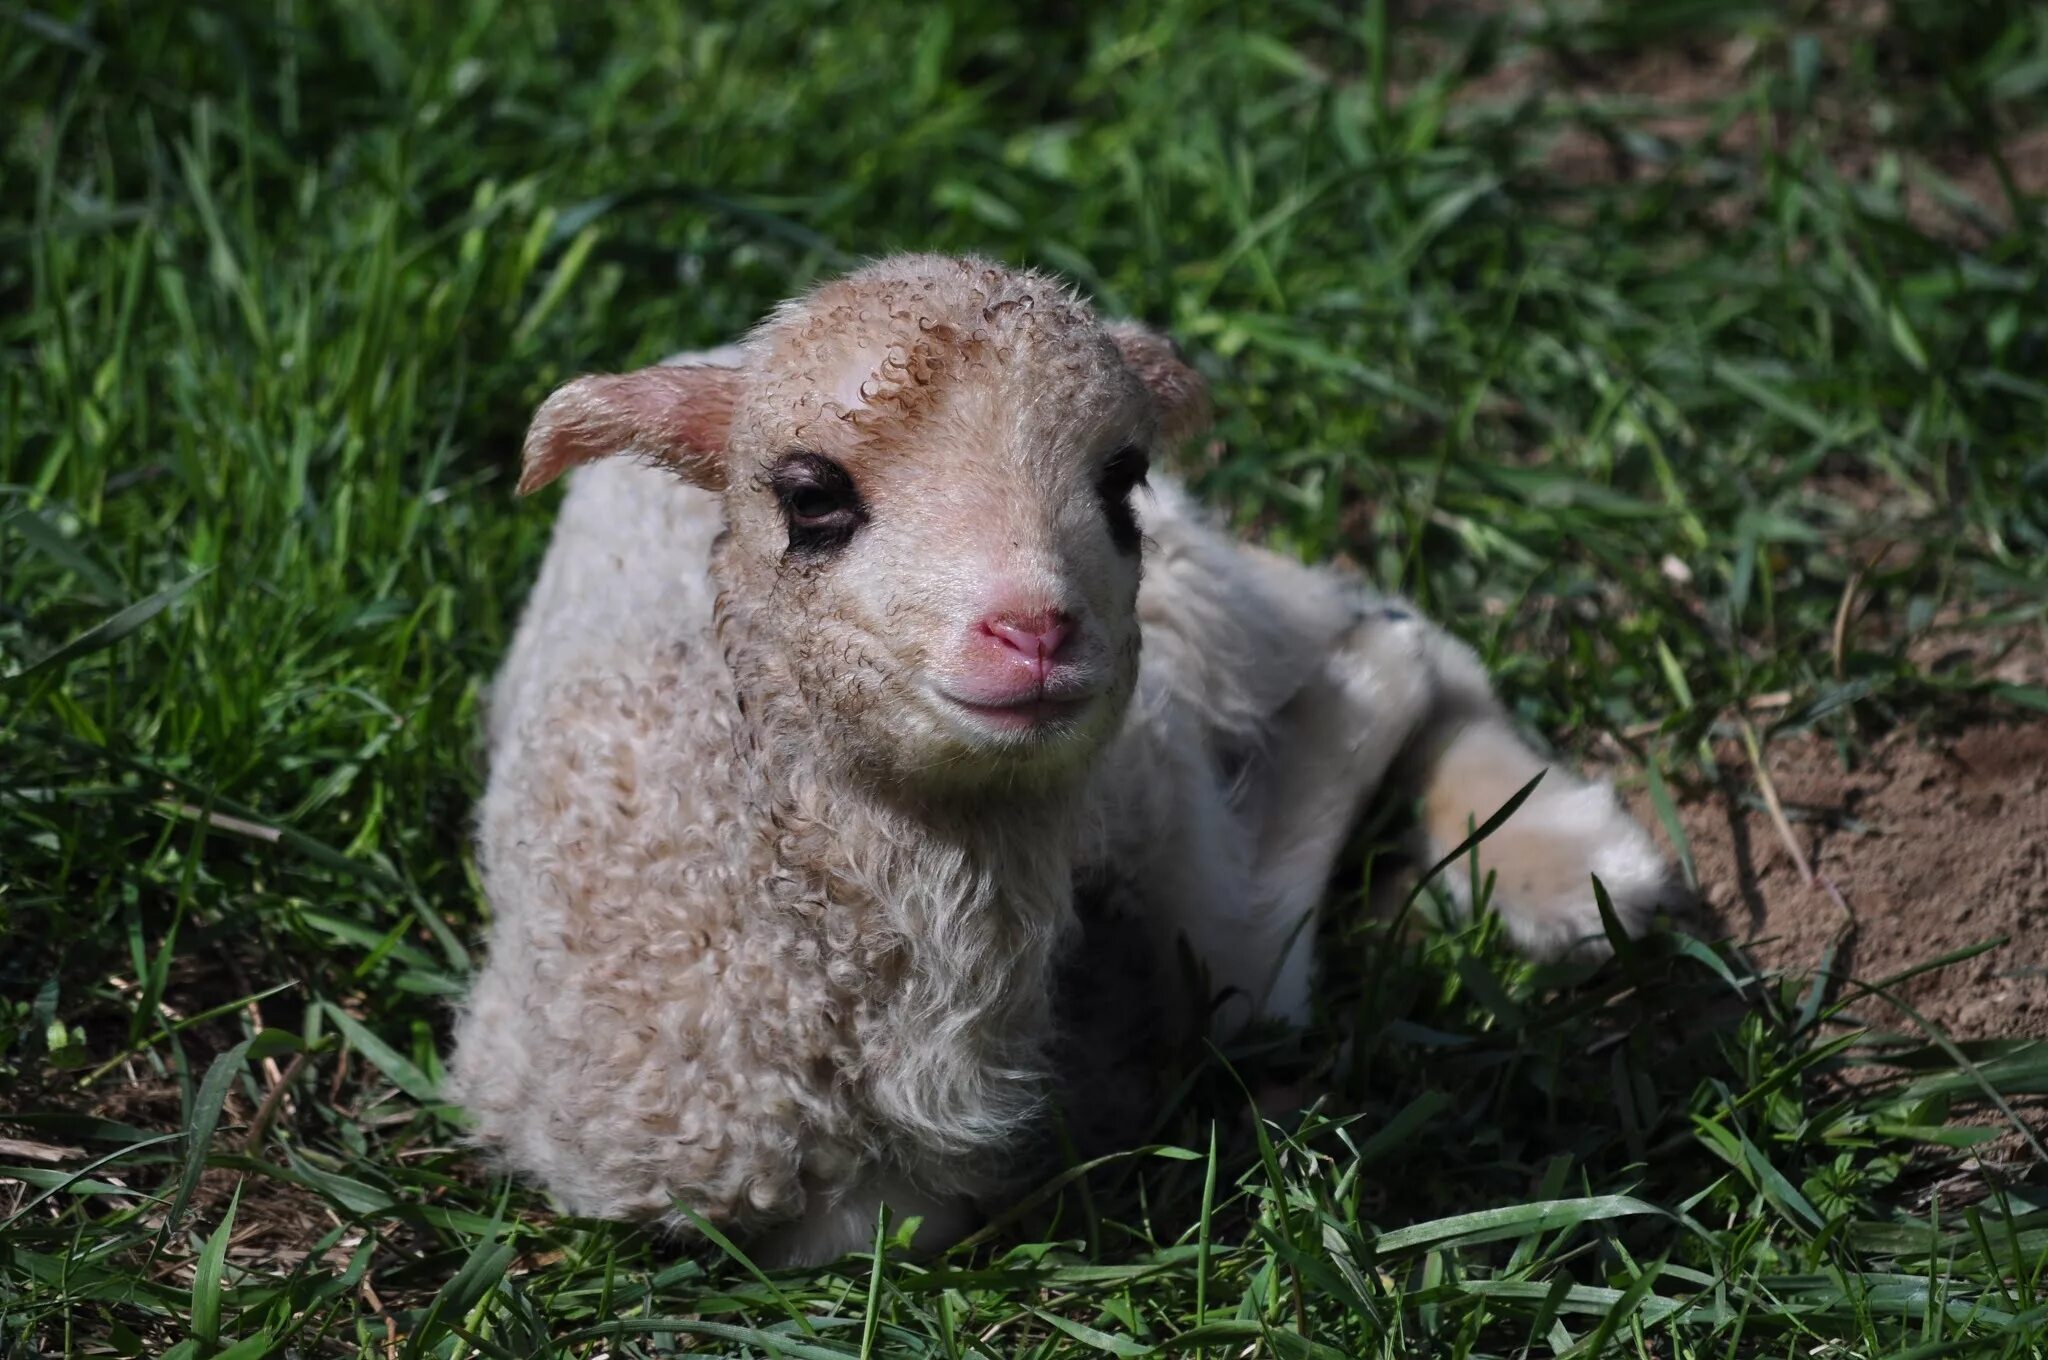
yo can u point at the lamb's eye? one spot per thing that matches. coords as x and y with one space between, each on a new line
811 504
819 501
1121 475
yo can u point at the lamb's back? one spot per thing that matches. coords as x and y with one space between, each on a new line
626 578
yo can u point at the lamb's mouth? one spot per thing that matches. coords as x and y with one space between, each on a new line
1040 715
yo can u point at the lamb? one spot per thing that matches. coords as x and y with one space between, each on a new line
884 632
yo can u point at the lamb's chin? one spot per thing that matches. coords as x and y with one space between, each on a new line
1026 725
962 752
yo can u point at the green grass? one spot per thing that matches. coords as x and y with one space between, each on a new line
280 283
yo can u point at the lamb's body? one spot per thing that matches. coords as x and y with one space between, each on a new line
719 949
726 976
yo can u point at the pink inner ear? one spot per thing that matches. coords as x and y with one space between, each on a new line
1179 392
679 416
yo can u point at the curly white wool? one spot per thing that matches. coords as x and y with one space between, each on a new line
773 943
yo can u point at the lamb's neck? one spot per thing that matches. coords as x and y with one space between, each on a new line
954 1009
996 864
1013 856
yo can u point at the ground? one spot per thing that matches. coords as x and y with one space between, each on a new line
1926 847
1687 359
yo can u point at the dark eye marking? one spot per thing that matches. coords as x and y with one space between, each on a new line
819 502
1123 474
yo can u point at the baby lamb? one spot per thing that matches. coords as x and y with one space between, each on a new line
885 630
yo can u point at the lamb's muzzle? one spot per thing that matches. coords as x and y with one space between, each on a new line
831 690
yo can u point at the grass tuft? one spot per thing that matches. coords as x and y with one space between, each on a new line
1686 358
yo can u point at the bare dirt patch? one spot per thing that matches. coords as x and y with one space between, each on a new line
2009 656
1935 845
1689 107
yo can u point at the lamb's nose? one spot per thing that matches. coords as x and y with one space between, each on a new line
1035 638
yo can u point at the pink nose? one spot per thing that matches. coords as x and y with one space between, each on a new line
1034 639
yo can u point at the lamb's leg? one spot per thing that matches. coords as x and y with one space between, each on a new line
1245 872
1327 750
844 1224
1468 761
1199 881
1401 695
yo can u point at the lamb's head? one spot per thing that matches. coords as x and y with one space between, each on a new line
928 469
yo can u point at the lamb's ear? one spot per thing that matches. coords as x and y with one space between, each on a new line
1180 393
677 415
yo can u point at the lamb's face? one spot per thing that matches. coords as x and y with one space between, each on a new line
943 529
929 471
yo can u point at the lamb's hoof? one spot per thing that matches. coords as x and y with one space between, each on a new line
1545 864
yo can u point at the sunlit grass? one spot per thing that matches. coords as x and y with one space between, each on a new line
280 284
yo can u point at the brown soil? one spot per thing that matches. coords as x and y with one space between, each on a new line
1696 92
1933 846
2011 656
